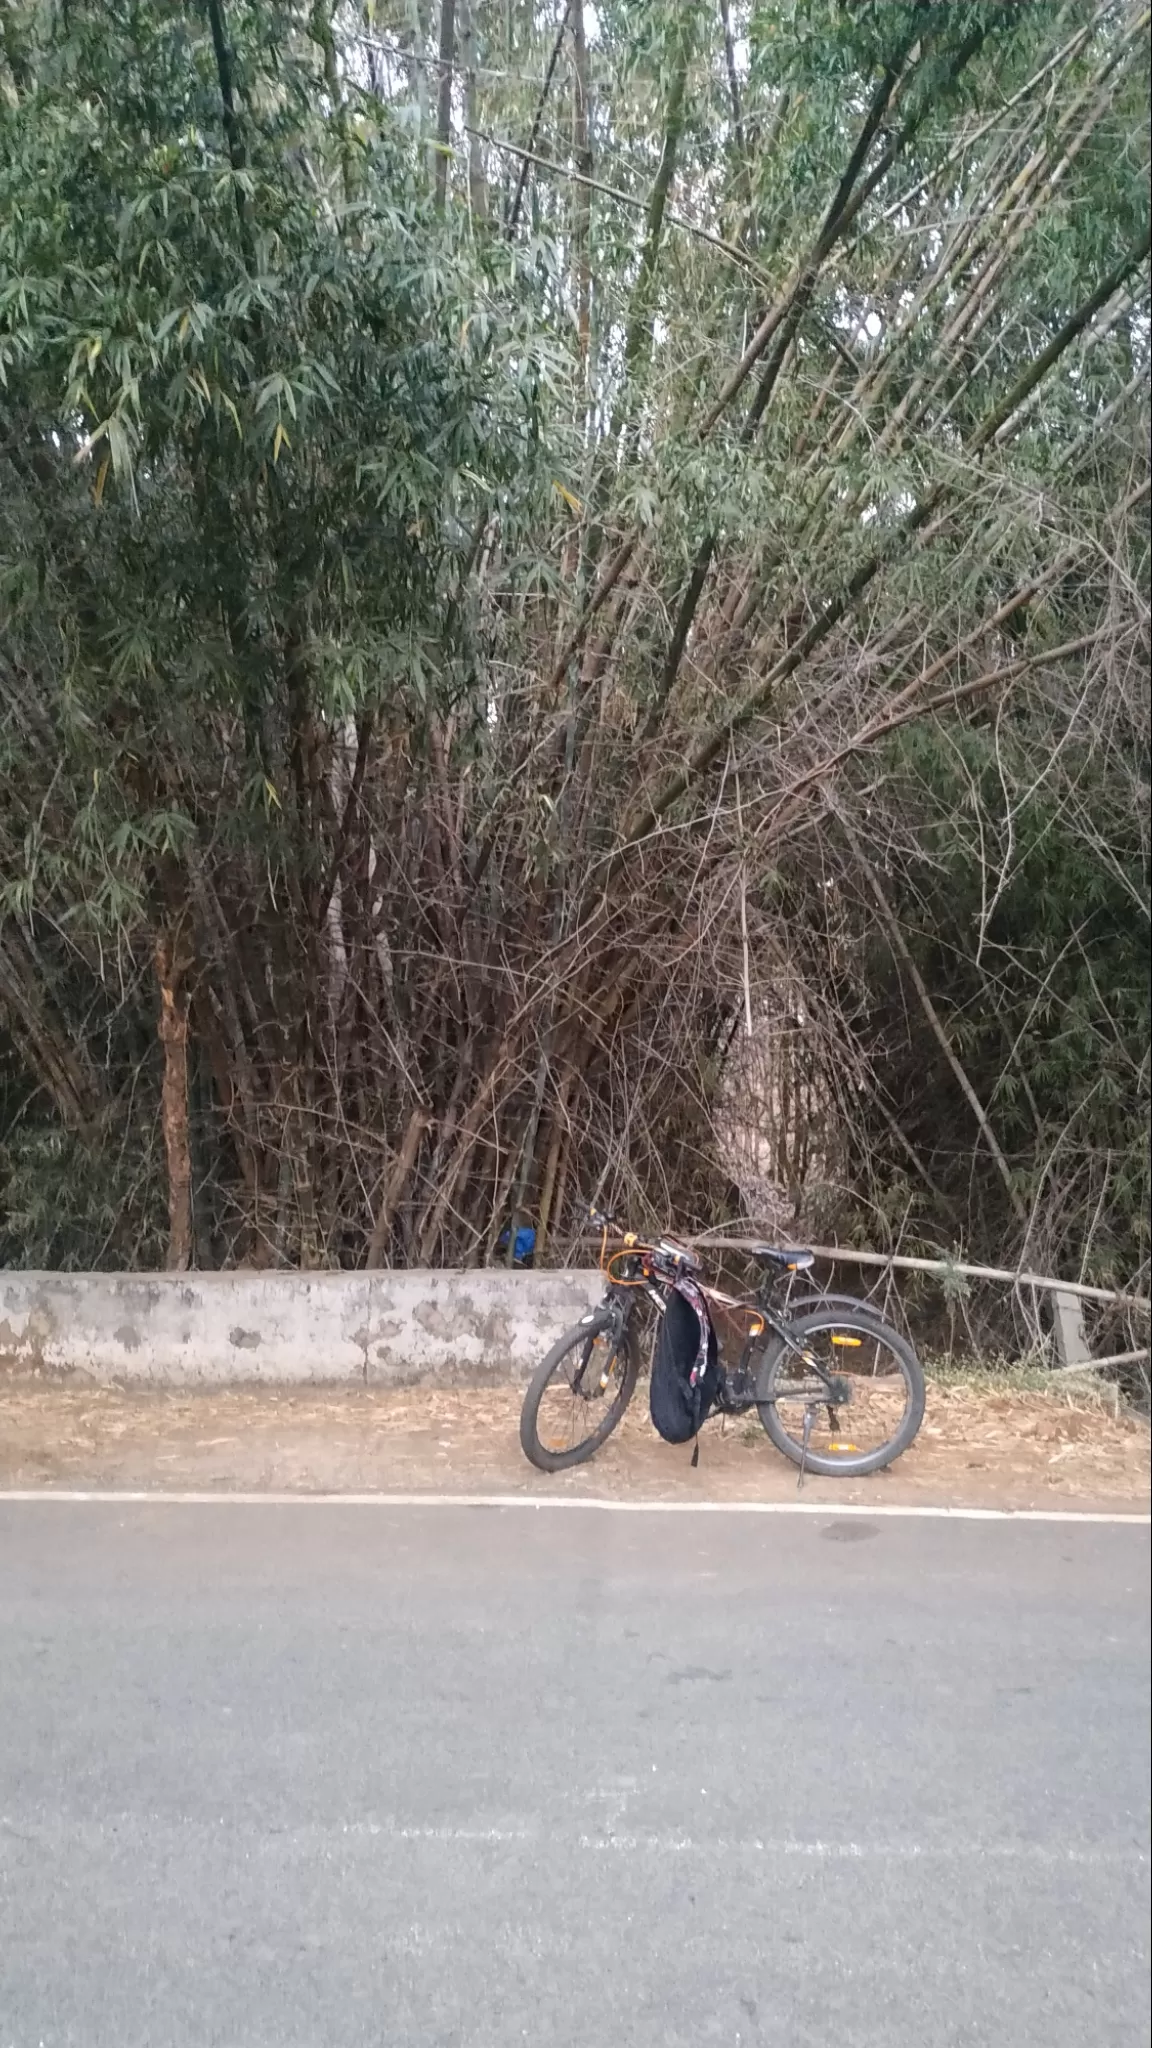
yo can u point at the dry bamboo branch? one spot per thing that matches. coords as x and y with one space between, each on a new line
1100 1364
397 1181
932 1017
171 968
942 1269
591 184
527 156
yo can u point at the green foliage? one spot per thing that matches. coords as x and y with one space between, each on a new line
1038 948
69 1205
248 422
429 619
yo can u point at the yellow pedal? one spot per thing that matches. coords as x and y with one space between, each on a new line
847 1448
853 1343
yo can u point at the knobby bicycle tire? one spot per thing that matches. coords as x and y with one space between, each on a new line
625 1356
844 1304
772 1384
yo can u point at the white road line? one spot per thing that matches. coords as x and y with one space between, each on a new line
653 1841
666 1844
882 1511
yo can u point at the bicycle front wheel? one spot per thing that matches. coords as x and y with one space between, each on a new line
871 1412
579 1393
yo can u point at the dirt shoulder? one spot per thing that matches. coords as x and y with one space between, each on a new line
1002 1448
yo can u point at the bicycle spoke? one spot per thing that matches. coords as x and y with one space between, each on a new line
579 1395
843 1395
878 1395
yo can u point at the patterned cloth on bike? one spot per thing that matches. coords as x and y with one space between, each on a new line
685 1371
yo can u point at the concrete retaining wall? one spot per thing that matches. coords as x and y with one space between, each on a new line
190 1329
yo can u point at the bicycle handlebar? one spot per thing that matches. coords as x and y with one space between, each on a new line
603 1219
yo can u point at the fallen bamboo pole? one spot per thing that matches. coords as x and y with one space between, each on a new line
1098 1364
942 1268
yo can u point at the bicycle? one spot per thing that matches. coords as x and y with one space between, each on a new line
792 1368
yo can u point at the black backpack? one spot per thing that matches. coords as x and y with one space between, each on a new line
685 1369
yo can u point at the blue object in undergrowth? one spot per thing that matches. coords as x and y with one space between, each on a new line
525 1245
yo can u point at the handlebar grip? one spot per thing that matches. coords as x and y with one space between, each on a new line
602 1219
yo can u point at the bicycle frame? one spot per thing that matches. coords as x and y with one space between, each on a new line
783 1362
737 1391
738 1387
620 1298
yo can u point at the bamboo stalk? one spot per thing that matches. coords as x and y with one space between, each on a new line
1099 1364
397 1181
942 1269
171 966
932 1016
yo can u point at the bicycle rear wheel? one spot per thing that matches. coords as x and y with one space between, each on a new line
844 1304
579 1393
876 1371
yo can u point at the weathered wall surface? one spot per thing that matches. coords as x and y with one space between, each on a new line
190 1329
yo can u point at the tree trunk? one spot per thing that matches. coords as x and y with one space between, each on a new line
638 333
477 184
171 967
582 196
444 98
394 1187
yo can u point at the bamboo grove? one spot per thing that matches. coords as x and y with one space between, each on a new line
573 615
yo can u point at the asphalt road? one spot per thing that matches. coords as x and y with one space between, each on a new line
323 1775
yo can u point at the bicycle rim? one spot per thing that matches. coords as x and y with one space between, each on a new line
873 1365
583 1396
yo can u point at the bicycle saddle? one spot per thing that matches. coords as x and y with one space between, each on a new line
783 1258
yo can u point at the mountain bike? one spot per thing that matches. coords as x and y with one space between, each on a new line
580 1391
838 1391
